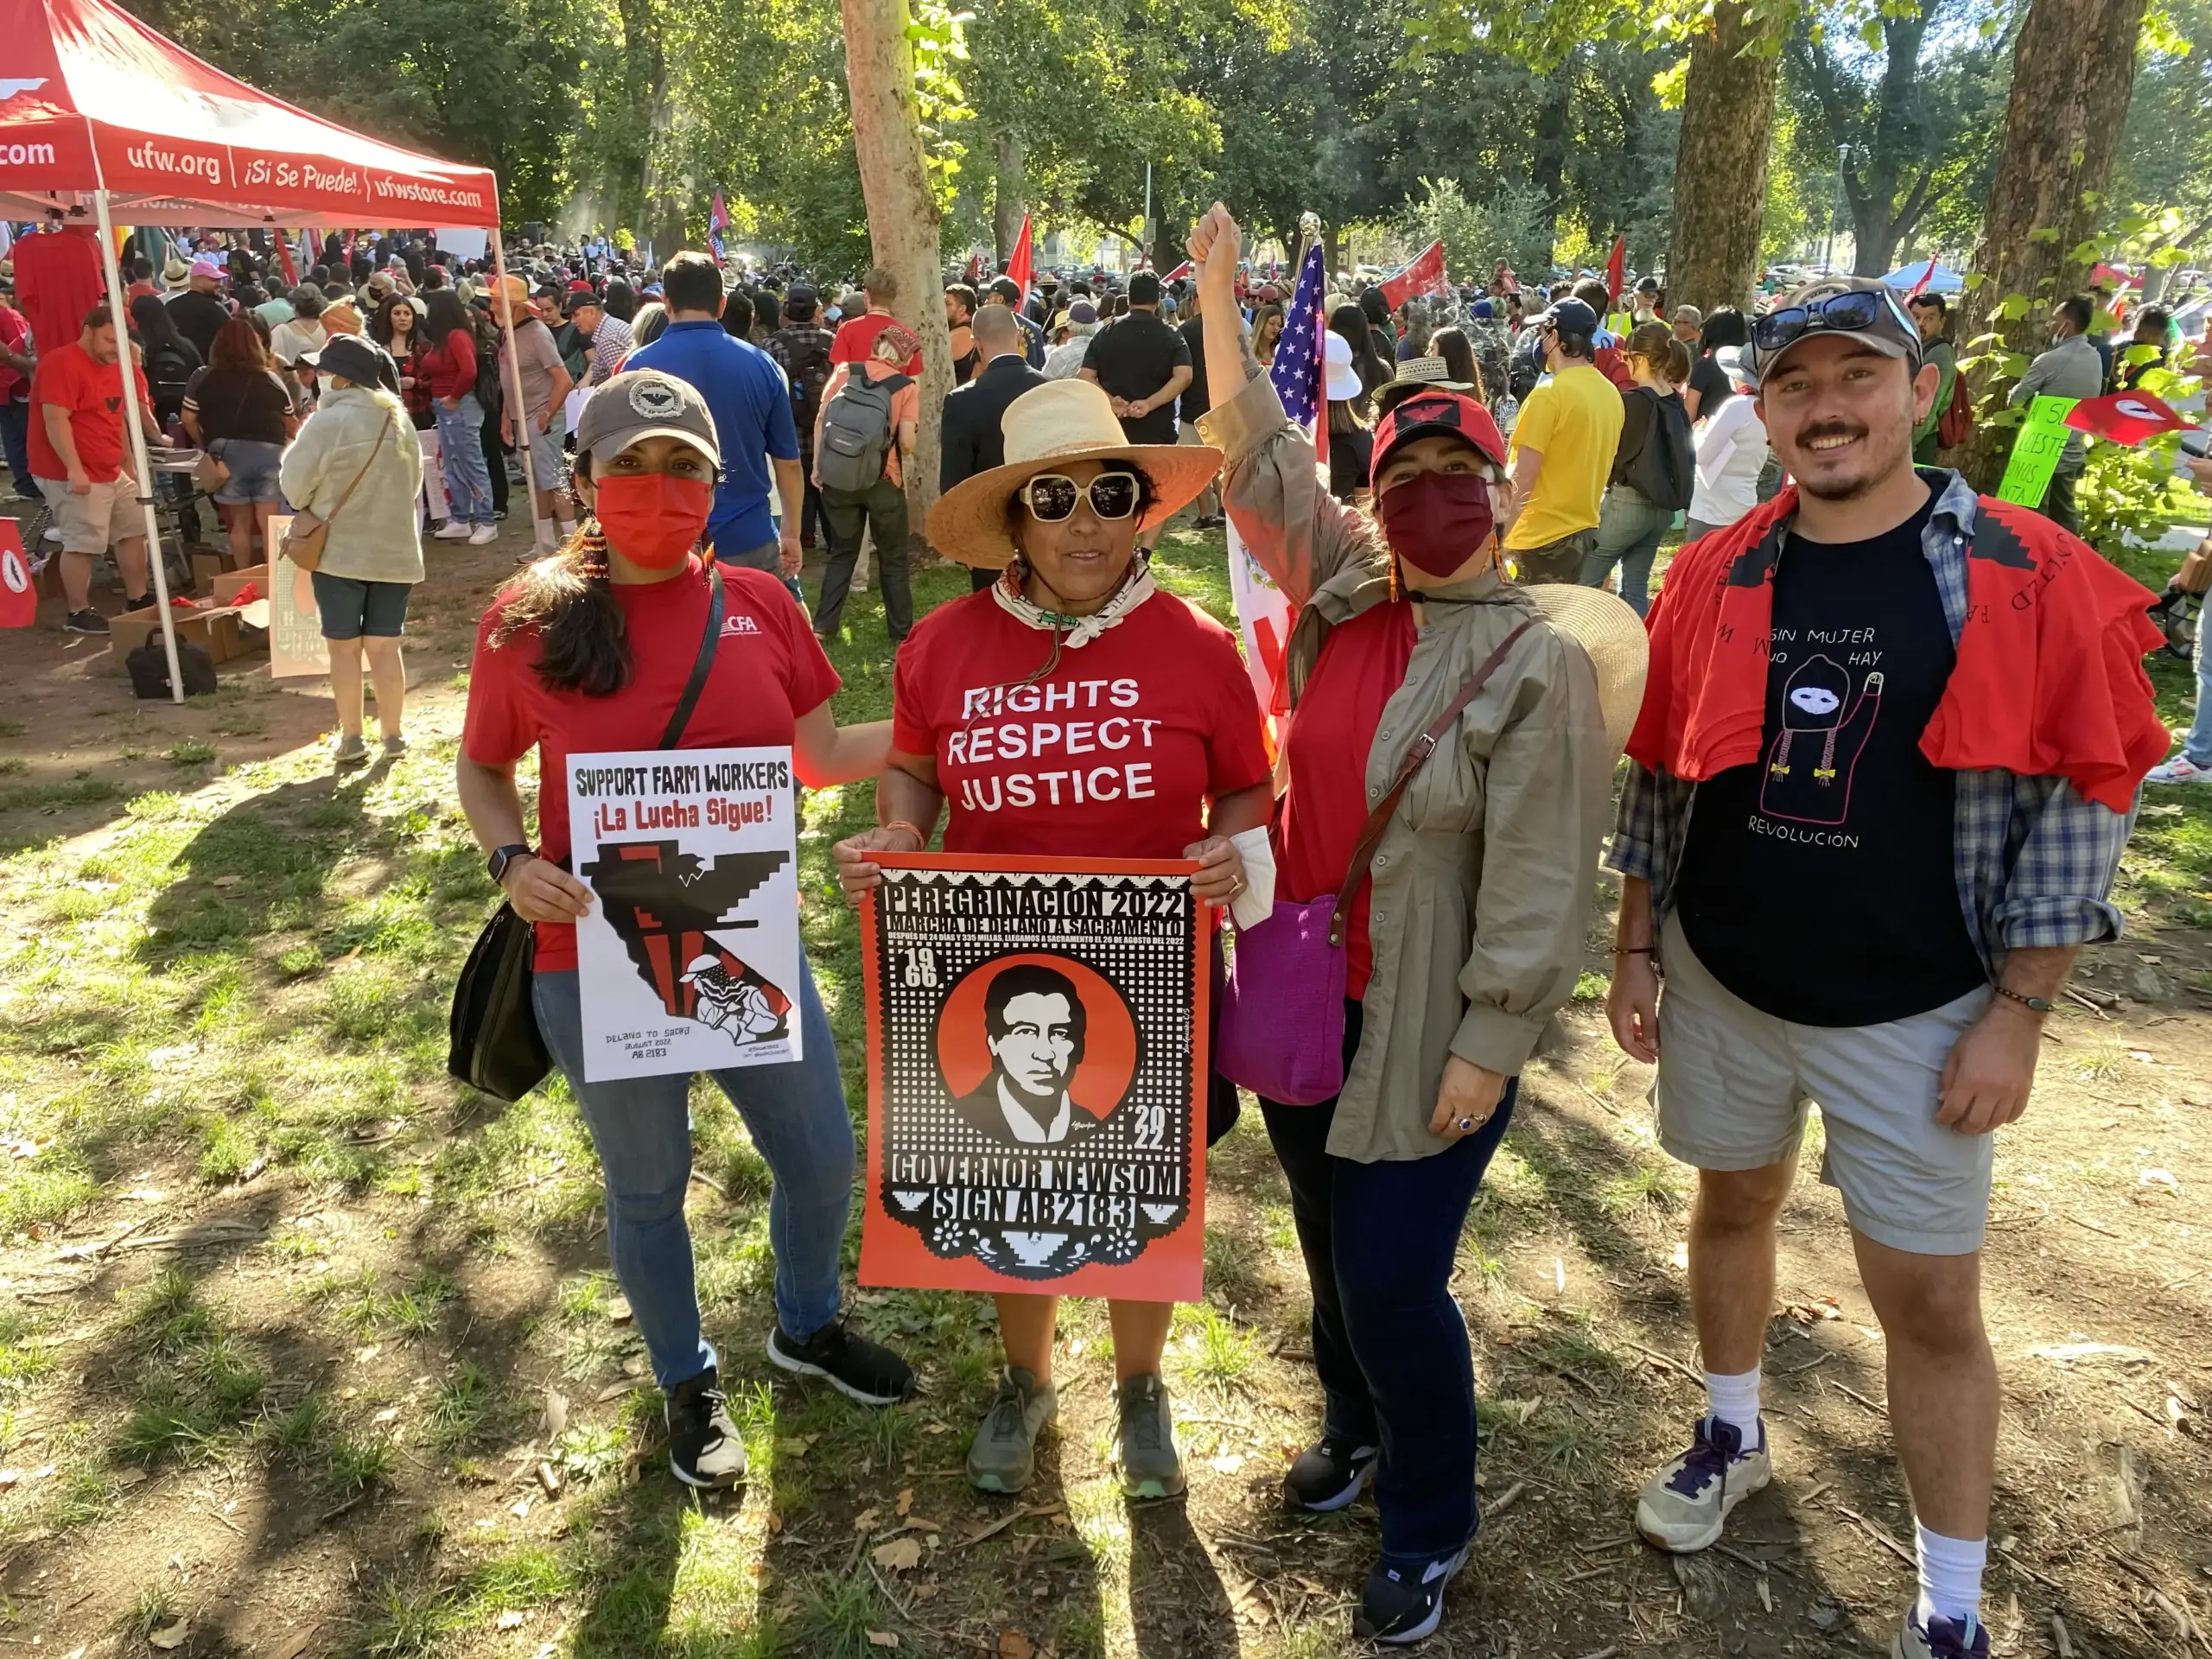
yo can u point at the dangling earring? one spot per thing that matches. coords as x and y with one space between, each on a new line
591 551
1394 578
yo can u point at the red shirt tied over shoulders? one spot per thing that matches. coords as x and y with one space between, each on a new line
769 669
855 339
1113 755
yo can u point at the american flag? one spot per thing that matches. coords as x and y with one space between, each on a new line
1300 358
717 221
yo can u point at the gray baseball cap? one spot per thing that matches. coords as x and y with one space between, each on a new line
1862 307
645 404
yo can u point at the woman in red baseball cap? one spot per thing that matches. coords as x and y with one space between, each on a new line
1450 758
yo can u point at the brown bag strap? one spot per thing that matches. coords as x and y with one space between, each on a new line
1379 821
383 432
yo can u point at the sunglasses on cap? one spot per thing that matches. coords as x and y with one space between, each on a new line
1051 497
1855 312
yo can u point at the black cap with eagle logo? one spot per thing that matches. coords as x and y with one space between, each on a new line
645 404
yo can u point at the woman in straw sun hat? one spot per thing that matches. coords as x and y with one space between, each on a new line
1450 758
1072 710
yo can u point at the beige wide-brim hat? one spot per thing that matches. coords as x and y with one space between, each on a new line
1045 428
1613 636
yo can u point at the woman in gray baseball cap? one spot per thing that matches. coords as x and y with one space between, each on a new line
593 650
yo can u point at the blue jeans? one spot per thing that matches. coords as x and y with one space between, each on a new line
1390 1345
461 453
1629 529
15 443
2197 746
642 1126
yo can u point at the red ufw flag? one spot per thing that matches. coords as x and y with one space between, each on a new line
1921 287
1425 273
1019 266
2124 417
18 598
1616 269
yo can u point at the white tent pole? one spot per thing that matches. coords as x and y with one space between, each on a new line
132 424
512 383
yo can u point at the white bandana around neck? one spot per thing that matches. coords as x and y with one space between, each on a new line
1073 630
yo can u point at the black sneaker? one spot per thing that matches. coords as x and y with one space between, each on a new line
1327 1476
144 601
85 621
856 1367
1400 1606
704 1448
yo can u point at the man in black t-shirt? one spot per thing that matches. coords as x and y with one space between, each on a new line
1144 366
200 311
1844 921
1195 402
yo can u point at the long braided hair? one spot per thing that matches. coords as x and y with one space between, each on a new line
563 598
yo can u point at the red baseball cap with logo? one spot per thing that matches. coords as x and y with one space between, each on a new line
1437 414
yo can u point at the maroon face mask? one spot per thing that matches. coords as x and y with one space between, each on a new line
1437 521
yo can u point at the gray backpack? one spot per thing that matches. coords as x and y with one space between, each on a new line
856 431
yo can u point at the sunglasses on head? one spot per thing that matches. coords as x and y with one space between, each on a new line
1853 312
1051 497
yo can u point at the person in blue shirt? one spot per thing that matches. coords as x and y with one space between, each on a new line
751 403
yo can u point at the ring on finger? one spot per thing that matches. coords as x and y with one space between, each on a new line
1466 1126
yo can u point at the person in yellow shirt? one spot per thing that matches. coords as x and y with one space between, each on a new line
1562 452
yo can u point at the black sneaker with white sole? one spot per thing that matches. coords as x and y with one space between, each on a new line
704 1448
856 1367
1403 1605
1328 1475
143 602
85 621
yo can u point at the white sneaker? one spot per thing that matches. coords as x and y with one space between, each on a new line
1683 1507
2179 770
483 535
454 530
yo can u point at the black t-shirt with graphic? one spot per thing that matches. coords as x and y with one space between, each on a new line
1817 884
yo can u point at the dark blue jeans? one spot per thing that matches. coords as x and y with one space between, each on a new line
1389 1342
14 443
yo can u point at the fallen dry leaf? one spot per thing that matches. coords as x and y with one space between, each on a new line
864 1519
169 1636
899 1556
555 1419
882 1639
1012 1644
905 1500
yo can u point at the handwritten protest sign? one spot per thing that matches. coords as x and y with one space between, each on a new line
1037 1077
2036 452
690 960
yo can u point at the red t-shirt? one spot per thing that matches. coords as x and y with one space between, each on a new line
92 393
1362 664
855 339
58 282
15 330
1112 755
768 671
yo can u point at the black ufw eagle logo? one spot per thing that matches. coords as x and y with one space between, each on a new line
660 901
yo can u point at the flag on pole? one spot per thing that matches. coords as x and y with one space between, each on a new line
1424 274
1921 287
1301 355
1019 267
717 222
1616 269
285 260
2124 417
1178 273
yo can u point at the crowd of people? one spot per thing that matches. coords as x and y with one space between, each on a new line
1818 708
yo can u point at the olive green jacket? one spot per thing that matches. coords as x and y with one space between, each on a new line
1483 880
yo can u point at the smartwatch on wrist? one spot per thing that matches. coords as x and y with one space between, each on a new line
503 856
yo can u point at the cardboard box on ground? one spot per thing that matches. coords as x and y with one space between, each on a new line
220 631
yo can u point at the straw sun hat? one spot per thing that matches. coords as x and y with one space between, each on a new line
1045 428
1613 635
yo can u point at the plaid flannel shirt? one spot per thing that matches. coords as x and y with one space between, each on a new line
2034 861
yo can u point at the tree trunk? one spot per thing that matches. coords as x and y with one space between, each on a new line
1720 166
902 213
646 82
1011 201
2073 69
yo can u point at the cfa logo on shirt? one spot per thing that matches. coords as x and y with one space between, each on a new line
739 623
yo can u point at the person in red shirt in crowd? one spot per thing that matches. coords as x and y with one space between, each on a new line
78 454
856 336
58 279
1153 749
17 362
591 651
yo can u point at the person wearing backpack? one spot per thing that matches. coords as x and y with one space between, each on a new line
862 439
1942 429
1655 466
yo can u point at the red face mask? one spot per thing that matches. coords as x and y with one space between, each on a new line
1437 521
653 519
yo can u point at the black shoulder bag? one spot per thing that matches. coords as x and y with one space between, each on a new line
496 1048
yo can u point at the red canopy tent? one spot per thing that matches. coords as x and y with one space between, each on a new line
101 115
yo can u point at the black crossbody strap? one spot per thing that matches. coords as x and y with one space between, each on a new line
700 669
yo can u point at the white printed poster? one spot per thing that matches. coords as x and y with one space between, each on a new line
689 962
296 648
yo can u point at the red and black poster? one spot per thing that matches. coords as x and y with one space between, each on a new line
1037 1077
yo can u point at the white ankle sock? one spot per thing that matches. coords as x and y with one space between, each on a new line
1950 1575
1736 1401
568 528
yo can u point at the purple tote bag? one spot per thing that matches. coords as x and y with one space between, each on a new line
1282 1011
